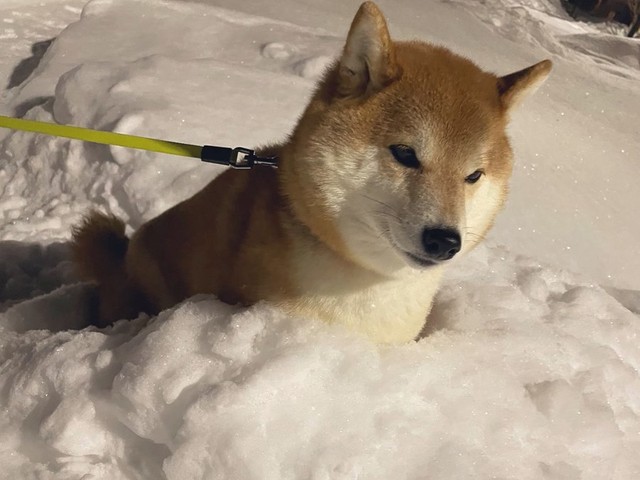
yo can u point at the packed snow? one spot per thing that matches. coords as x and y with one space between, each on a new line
529 366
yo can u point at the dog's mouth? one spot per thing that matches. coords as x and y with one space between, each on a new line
415 261
419 261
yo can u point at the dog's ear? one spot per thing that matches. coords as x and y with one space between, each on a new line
368 61
517 86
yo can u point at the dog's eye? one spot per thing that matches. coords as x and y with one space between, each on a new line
474 177
405 155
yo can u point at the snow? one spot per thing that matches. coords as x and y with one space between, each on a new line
525 370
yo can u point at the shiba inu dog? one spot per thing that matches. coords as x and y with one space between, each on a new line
399 163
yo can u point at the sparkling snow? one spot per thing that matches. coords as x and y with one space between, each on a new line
529 367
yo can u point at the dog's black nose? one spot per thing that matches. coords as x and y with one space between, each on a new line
440 243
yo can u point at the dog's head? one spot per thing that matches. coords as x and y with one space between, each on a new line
401 157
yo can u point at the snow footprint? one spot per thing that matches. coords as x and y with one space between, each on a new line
310 66
277 51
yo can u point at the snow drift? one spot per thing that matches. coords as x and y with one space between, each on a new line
525 373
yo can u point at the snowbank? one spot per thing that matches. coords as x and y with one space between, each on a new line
525 373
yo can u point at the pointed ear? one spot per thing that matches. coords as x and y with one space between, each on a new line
368 61
517 86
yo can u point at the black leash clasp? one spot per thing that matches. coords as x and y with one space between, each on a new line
240 157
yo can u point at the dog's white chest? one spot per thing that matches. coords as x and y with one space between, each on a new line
386 310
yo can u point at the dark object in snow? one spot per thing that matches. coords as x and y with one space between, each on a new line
618 10
24 69
623 11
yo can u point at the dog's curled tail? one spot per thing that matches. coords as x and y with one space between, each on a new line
99 248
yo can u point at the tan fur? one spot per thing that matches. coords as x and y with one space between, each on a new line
327 234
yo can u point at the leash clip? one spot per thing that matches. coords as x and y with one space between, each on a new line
245 158
242 158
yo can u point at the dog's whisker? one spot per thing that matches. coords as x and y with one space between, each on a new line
384 204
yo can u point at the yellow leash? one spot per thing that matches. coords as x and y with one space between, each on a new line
238 157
